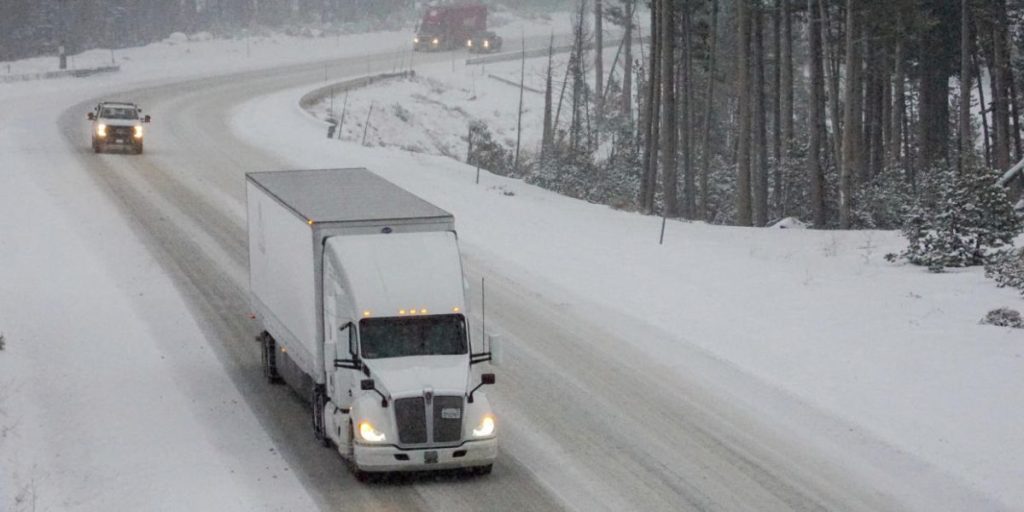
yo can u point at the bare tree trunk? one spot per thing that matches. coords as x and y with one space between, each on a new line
776 96
787 76
1000 112
777 89
599 62
1014 114
899 108
627 64
709 99
548 137
815 172
669 133
744 215
851 119
760 174
985 136
686 135
519 120
873 152
651 115
832 71
966 143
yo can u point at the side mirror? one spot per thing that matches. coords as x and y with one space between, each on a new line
91 116
485 380
367 385
146 119
495 343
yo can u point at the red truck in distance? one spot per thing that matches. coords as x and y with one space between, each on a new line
446 27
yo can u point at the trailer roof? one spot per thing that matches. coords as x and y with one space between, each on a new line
343 195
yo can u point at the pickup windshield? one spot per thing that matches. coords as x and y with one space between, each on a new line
435 335
119 113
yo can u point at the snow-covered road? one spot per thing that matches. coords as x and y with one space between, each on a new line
590 422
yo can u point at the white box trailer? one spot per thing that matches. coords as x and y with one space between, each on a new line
359 287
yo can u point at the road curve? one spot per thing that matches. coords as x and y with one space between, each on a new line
588 423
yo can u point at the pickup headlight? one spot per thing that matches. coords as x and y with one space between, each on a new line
436 41
138 132
101 130
370 434
486 428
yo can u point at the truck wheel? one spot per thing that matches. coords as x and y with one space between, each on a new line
138 149
362 476
318 401
268 349
96 148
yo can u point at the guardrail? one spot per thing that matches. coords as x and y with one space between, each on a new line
538 52
311 98
48 75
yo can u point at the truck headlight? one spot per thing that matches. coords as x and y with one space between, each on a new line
101 130
370 434
486 428
138 132
416 40
487 43
469 43
437 41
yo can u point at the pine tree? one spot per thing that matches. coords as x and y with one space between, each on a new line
959 221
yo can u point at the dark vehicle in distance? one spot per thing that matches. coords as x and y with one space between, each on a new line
448 27
484 41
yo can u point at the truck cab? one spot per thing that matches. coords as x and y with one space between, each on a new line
119 125
401 393
447 27
360 289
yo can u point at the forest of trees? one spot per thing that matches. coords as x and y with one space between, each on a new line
843 113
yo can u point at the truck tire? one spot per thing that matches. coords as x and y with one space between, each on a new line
318 401
138 149
361 476
96 148
268 350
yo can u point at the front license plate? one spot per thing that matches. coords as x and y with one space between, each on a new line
118 141
430 457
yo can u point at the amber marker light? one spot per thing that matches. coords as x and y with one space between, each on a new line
456 309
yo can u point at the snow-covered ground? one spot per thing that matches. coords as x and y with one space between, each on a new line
95 410
94 415
431 112
892 349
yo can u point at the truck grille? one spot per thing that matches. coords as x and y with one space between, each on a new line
447 419
411 416
443 415
121 132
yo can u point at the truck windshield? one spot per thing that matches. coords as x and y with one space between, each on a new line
119 113
434 335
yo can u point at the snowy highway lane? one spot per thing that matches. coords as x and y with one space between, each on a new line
588 423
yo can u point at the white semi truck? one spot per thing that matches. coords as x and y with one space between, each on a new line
359 287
